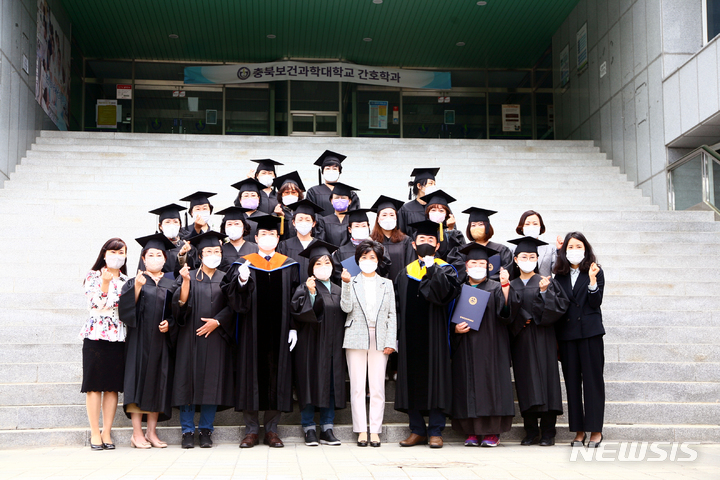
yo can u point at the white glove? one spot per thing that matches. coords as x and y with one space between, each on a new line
429 261
292 339
244 272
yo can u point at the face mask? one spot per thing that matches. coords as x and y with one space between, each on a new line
331 176
267 243
575 256
114 261
425 250
303 228
478 233
250 203
171 230
360 233
234 232
527 266
266 180
289 199
477 273
367 266
340 204
323 272
204 215
437 217
388 223
211 261
431 189
531 231
154 264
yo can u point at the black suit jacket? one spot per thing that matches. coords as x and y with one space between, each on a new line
583 318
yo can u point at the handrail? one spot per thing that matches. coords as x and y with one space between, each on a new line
689 156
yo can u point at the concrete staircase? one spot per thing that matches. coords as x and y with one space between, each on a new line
75 190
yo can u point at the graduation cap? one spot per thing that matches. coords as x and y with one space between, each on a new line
248 185
210 238
233 213
329 158
475 251
157 240
168 211
359 215
426 227
343 189
384 202
307 207
479 214
266 164
420 174
527 245
292 177
438 198
267 222
199 198
318 248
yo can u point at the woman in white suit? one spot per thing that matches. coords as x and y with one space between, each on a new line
370 336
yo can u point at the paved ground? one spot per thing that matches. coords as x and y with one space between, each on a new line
297 461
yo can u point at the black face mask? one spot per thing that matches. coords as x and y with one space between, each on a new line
425 249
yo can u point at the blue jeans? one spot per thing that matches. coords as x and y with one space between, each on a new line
187 417
327 414
436 423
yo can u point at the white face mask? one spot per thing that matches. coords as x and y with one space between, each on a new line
331 176
266 180
303 228
234 232
437 217
527 266
267 243
171 230
367 266
114 261
250 203
154 264
575 256
477 273
431 189
388 223
360 233
289 199
203 214
531 231
211 261
323 272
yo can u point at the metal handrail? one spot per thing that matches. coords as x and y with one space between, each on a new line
704 151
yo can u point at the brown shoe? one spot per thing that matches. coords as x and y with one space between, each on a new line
272 439
413 440
250 440
435 442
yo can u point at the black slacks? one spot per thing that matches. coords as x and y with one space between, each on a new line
582 364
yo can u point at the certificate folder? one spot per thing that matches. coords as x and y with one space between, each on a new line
470 307
351 266
493 265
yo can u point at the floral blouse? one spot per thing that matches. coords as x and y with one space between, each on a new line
104 323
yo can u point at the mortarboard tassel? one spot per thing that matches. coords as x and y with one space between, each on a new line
320 182
282 225
441 232
410 184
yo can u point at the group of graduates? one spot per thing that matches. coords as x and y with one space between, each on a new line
255 316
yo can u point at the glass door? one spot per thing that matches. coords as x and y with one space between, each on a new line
178 109
314 109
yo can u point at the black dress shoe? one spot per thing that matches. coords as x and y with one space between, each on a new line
374 444
547 441
578 443
592 444
528 440
97 448
108 446
206 438
188 440
327 438
311 439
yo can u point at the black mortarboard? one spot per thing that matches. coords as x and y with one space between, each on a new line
157 240
199 198
329 158
438 198
475 251
318 248
233 213
343 189
426 227
168 211
420 174
526 245
210 238
267 222
266 164
249 185
384 202
307 207
292 177
359 215
479 214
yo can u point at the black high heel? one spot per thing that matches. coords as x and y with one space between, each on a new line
96 448
592 444
578 443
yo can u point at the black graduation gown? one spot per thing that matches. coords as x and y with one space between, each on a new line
424 378
458 260
401 254
321 331
148 361
409 213
187 232
172 265
452 240
482 385
264 366
203 366
292 248
347 251
331 230
321 194
533 346
230 254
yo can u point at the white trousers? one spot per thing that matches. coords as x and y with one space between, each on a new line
367 365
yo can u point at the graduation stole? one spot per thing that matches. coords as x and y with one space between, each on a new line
416 272
259 263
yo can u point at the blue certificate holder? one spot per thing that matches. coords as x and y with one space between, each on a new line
470 307
351 266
